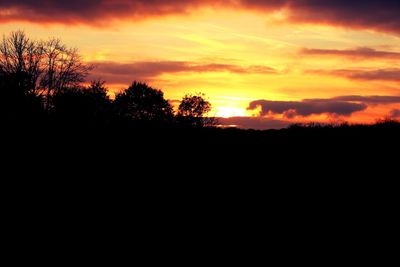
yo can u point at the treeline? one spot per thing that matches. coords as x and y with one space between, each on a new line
42 80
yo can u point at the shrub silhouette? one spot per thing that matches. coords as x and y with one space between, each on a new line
16 101
142 103
89 105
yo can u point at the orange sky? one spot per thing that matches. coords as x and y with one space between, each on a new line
236 55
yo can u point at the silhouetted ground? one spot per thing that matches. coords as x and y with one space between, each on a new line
121 146
166 177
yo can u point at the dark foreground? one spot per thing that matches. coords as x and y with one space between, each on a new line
206 150
179 178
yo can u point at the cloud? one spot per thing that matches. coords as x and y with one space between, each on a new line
337 106
123 73
377 100
359 53
390 74
380 15
256 123
98 12
306 107
395 113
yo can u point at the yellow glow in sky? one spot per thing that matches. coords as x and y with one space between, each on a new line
234 57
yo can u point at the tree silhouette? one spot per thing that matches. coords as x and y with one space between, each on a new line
140 102
63 68
98 90
193 109
36 66
17 104
20 70
21 61
98 101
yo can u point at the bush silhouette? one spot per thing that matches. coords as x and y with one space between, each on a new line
17 102
89 105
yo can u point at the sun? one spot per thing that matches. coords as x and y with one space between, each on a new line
226 112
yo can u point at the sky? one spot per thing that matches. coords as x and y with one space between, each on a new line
262 64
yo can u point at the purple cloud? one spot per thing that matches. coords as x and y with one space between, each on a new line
124 73
392 74
382 15
395 113
256 123
307 107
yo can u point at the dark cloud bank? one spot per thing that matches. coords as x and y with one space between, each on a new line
380 15
337 106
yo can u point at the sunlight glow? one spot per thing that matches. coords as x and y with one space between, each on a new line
227 53
226 112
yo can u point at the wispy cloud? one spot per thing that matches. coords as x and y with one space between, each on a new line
146 70
359 53
389 74
257 123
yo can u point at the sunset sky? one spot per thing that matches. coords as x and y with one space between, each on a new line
265 63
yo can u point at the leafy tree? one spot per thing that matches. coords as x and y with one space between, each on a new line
98 100
141 102
98 89
193 111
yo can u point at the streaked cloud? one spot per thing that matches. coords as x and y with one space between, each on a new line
395 113
122 73
358 53
257 123
389 74
378 100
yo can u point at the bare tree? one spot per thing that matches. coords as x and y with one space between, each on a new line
63 66
21 58
41 67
